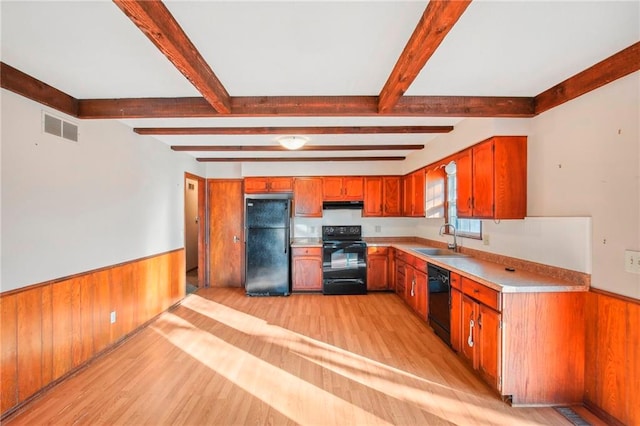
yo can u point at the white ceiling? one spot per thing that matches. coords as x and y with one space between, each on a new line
90 49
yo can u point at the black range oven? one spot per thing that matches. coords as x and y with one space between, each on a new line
344 260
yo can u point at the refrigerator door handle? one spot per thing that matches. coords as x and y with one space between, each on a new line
286 241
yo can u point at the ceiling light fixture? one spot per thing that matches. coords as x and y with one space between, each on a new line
292 142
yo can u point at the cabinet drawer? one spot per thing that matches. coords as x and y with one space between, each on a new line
419 264
454 279
482 294
373 250
405 257
306 251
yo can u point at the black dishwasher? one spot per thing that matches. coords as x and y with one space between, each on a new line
439 302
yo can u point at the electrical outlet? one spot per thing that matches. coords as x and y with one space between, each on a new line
378 228
485 239
113 317
632 261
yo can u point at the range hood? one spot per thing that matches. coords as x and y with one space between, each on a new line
342 205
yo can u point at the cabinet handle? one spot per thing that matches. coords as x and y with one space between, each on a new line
480 320
413 283
236 239
470 339
469 202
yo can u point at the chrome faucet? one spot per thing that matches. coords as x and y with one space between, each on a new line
453 246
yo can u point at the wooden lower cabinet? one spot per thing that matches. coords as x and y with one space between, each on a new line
528 346
411 282
306 269
481 346
377 268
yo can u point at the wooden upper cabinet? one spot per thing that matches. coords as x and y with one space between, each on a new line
307 197
492 179
391 196
372 196
413 194
347 188
262 185
464 175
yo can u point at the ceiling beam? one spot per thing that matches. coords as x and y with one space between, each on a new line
436 22
34 89
291 130
614 67
156 22
295 159
263 148
309 106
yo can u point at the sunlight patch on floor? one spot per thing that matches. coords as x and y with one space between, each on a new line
276 387
440 400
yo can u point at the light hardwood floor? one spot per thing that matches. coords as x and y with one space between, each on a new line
223 358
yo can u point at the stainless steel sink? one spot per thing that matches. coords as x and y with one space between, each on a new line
437 252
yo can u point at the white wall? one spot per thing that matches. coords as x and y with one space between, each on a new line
71 207
583 184
336 168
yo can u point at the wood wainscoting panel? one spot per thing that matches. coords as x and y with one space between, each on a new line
61 313
8 353
612 357
633 357
50 329
29 326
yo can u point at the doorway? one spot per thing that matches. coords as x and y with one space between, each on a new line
194 217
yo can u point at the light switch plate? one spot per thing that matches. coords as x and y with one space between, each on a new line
632 261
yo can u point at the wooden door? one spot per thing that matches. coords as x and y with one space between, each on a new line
489 345
392 196
483 195
353 188
226 233
372 196
464 184
307 197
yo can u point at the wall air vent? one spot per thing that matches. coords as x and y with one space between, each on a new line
59 127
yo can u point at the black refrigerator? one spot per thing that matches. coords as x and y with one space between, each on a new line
267 247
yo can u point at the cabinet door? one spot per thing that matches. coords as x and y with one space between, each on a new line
256 185
407 199
353 188
392 268
469 333
421 294
464 184
418 194
377 272
400 277
372 196
483 189
456 319
391 196
332 188
307 197
280 184
489 345
306 269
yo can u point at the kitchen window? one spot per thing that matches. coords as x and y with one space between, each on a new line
470 228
